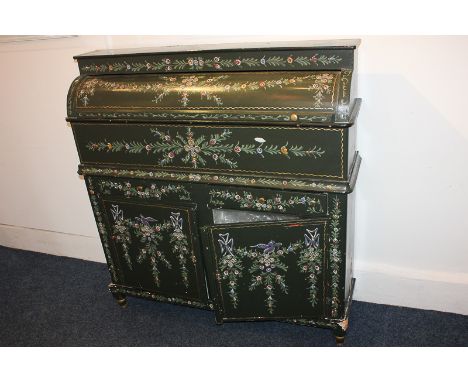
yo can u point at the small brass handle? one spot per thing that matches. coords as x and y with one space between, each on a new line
293 117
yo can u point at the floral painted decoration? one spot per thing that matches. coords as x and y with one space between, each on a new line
278 203
197 150
180 245
149 234
198 63
211 88
230 266
153 191
221 179
310 262
335 256
206 116
267 268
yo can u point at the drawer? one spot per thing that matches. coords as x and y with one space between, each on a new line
275 201
141 189
265 151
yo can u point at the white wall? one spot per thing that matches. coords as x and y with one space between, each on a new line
411 245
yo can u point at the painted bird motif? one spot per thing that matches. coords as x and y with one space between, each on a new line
267 248
145 220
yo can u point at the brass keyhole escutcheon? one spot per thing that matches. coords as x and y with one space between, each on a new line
293 117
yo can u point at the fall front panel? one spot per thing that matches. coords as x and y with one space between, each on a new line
242 150
156 248
267 270
228 95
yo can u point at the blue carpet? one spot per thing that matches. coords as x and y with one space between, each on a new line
58 301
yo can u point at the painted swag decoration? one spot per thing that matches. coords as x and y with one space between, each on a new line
147 233
266 267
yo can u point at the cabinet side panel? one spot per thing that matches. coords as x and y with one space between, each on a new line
351 146
349 242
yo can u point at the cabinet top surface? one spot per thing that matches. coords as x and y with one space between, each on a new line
304 44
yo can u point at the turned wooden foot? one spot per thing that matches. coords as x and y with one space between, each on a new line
121 299
339 334
339 340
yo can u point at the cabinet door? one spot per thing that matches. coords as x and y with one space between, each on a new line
268 270
156 248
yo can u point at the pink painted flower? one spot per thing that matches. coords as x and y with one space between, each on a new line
212 141
217 66
237 62
313 59
237 149
148 147
171 154
261 84
290 60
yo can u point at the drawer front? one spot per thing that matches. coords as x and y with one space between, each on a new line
267 270
283 202
156 248
143 190
232 150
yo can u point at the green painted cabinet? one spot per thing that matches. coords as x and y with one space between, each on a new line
222 177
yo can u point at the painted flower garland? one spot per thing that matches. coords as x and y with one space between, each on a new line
247 200
267 268
149 234
195 63
335 256
198 150
310 262
143 191
209 87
